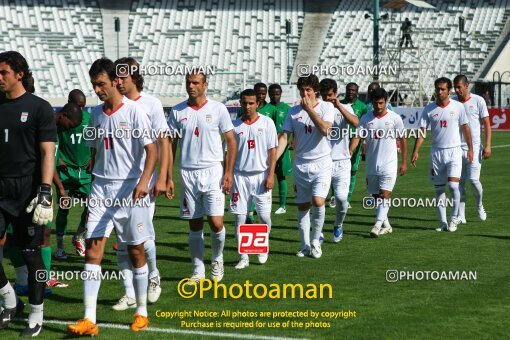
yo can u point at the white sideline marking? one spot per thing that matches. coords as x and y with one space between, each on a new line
492 147
177 331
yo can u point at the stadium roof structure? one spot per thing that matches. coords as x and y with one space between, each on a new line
398 4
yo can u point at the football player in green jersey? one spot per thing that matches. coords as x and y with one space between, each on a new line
284 163
72 177
359 108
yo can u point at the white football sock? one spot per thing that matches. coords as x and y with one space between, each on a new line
318 215
91 286
341 210
196 249
217 244
141 282
382 209
36 315
477 191
454 189
8 296
304 227
126 272
441 202
150 254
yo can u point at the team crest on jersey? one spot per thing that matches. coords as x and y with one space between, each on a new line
123 124
260 132
387 124
208 118
240 133
139 227
24 117
452 113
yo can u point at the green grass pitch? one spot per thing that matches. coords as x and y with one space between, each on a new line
355 268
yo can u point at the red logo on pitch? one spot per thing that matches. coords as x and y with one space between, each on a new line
253 239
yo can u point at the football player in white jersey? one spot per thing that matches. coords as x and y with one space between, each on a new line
309 123
446 118
123 165
380 128
255 166
131 86
344 116
201 123
478 115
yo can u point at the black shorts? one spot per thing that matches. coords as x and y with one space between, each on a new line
15 195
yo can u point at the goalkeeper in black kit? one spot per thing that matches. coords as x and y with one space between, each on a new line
27 151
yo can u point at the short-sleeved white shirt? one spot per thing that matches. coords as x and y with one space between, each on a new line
476 109
340 146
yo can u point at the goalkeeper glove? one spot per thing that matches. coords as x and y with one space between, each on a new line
43 212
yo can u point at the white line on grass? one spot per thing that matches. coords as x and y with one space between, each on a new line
178 331
492 147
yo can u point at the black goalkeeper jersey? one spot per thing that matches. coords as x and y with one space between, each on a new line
24 123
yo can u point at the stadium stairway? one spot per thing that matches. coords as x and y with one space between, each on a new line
109 10
318 16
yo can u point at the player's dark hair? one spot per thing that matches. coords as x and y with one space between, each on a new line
311 81
380 93
197 71
328 84
248 93
103 65
18 63
30 86
352 84
259 86
460 78
444 80
134 72
376 84
76 96
275 87
73 112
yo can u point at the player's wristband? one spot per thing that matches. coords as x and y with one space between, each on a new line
44 195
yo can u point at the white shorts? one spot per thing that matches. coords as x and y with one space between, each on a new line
472 170
312 179
248 189
341 177
375 183
110 206
445 163
201 193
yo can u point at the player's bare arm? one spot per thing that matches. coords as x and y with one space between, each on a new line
417 145
230 161
467 137
172 148
353 144
320 124
283 139
488 137
164 154
47 161
142 188
272 165
58 184
349 117
403 152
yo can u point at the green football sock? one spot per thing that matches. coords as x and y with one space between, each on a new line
282 191
46 257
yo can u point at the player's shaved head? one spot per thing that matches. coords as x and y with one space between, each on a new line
259 86
273 87
70 116
371 88
460 78
197 71
77 97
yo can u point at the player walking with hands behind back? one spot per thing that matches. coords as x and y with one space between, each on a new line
201 122
255 166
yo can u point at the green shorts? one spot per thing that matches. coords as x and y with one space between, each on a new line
284 165
76 181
